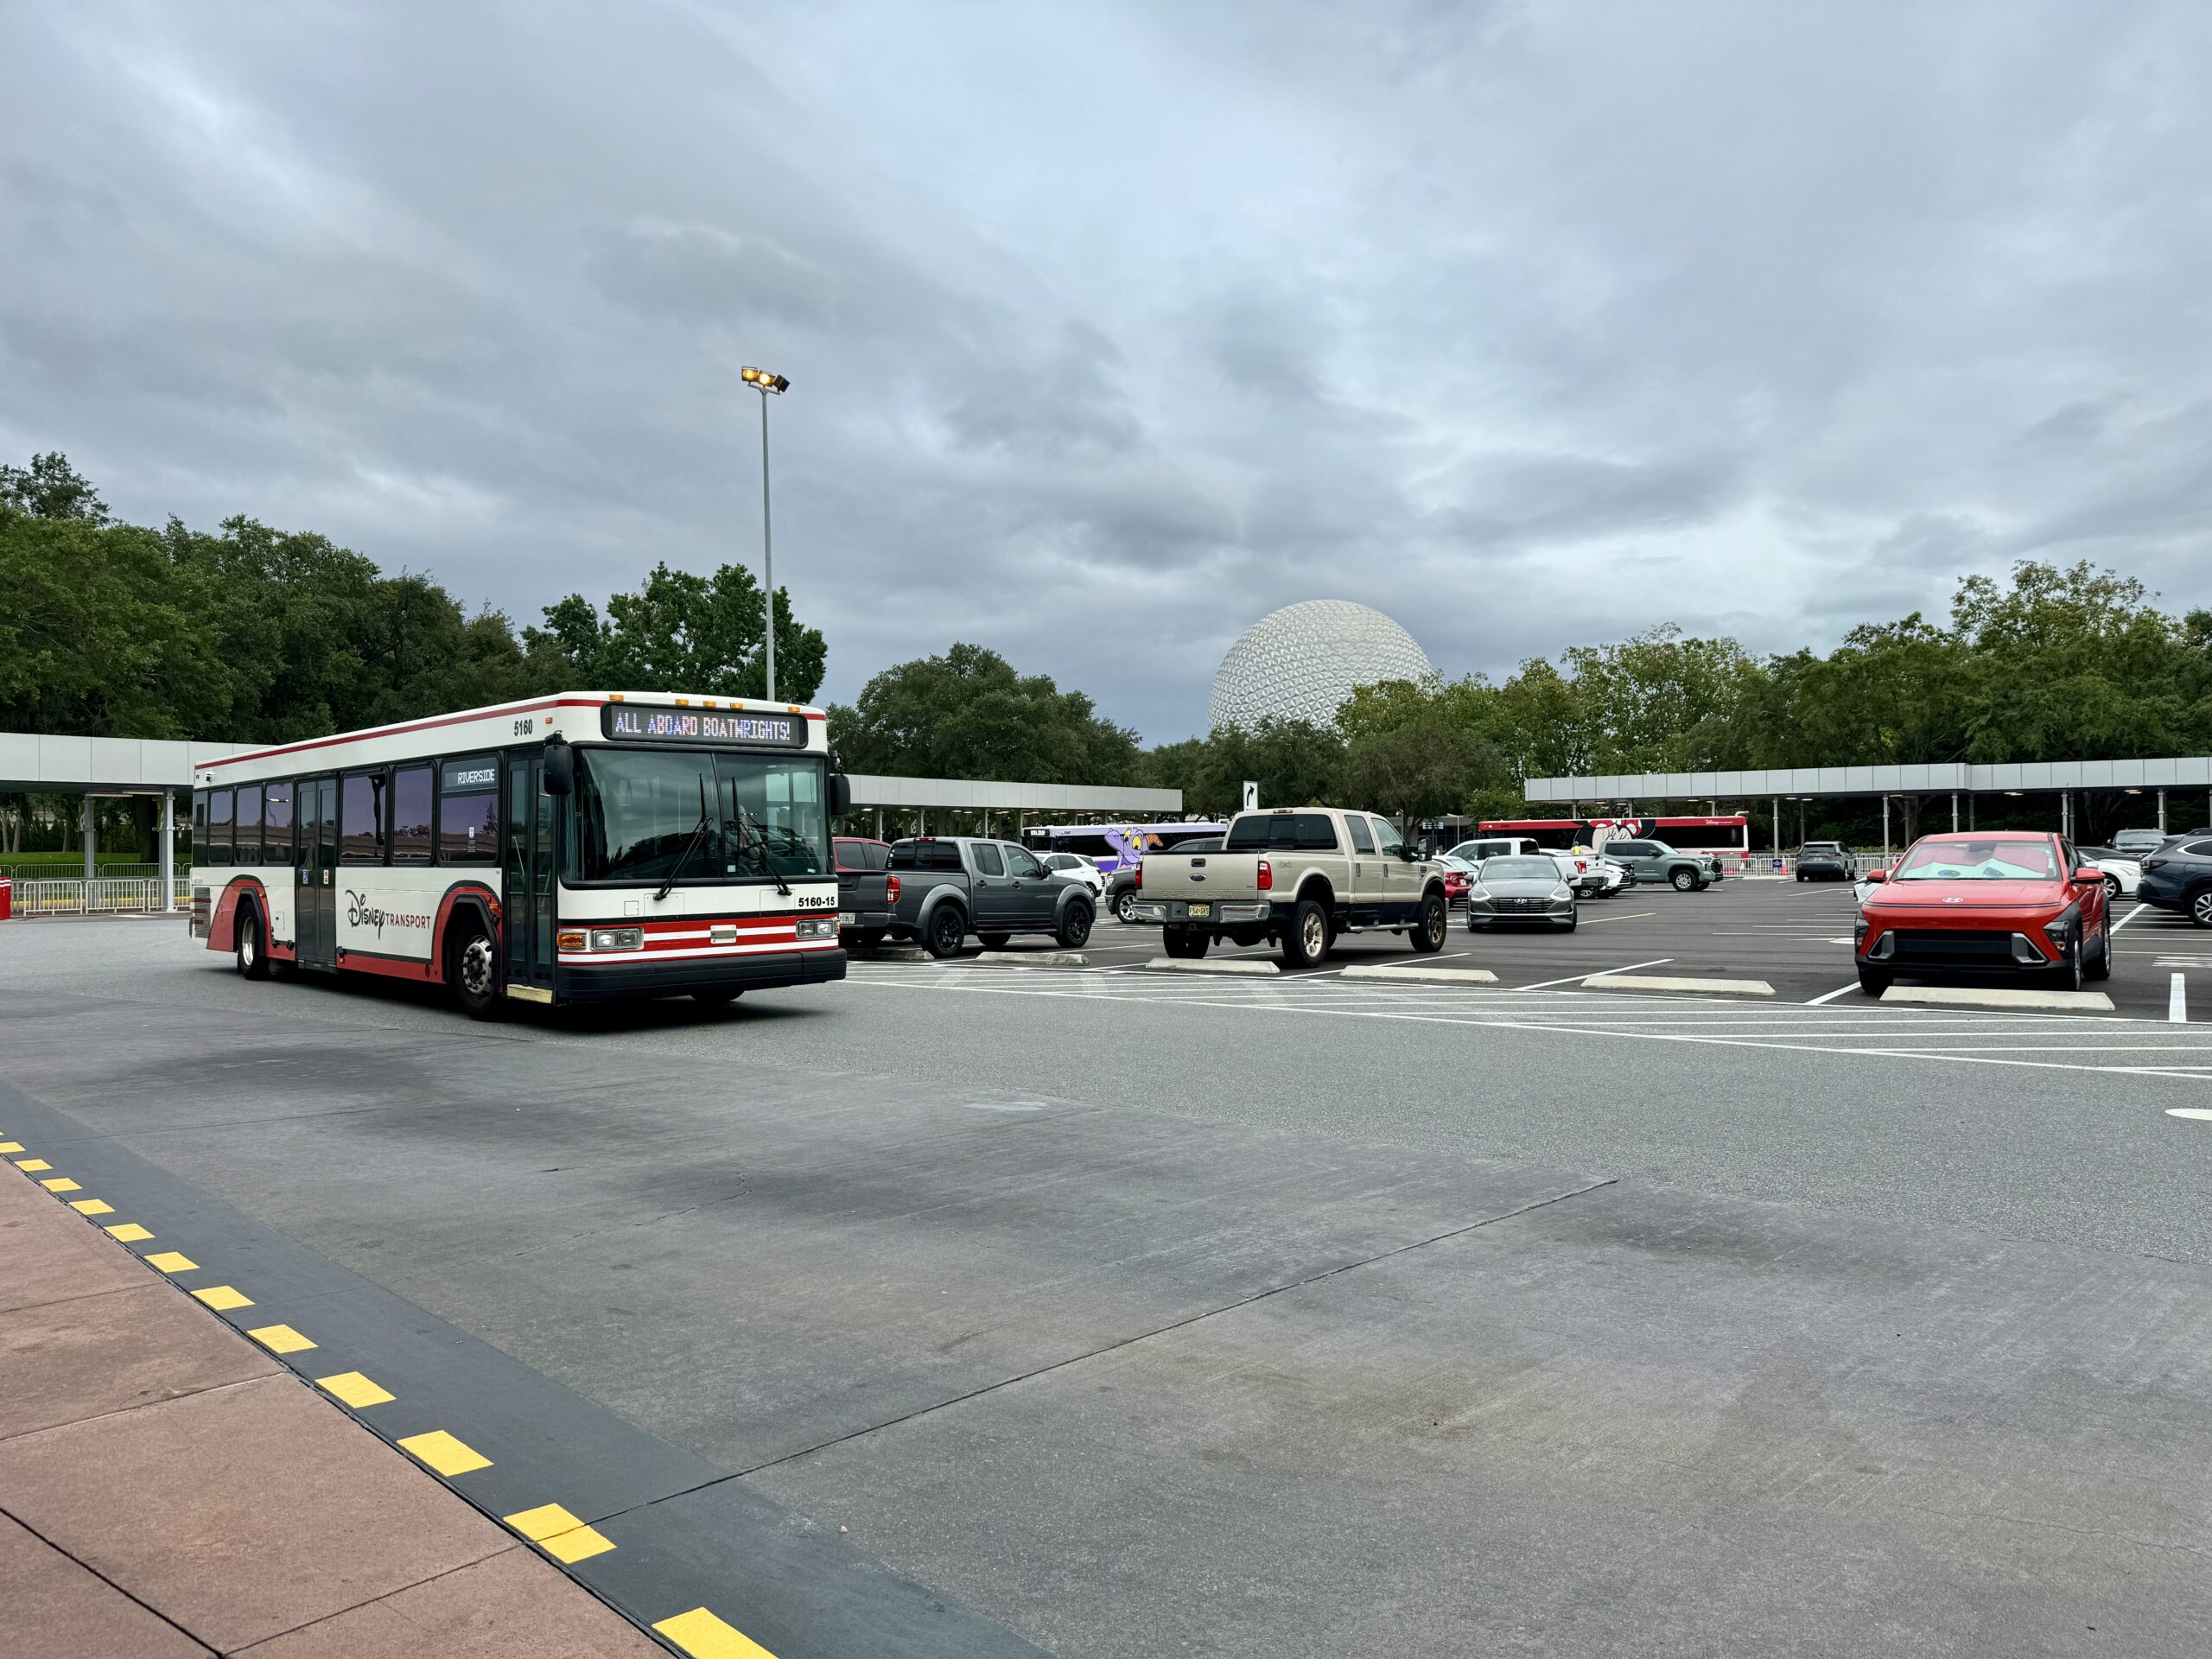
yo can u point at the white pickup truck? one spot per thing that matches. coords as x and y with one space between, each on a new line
1295 877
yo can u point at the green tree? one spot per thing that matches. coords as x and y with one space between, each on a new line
1424 769
967 713
679 631
1294 762
50 488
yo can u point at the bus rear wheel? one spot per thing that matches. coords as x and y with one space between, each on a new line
473 969
253 945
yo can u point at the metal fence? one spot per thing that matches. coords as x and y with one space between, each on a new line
74 870
108 893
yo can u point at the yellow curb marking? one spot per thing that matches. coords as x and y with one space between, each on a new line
10 1146
702 1636
443 1453
128 1232
170 1261
31 1163
61 1184
280 1339
560 1534
354 1389
223 1297
92 1207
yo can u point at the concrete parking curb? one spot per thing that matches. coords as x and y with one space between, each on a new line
1038 959
1180 965
1654 982
1967 996
1444 976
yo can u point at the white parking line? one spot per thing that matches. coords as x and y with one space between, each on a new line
1830 996
1576 979
2130 916
2177 1001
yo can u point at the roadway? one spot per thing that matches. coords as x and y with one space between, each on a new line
1116 1312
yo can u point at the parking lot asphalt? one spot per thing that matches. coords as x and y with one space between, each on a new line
1125 1313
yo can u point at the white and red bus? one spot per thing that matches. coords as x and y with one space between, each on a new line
1728 833
568 849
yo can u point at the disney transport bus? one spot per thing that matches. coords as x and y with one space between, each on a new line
569 849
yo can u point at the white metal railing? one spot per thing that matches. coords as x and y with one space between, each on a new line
106 894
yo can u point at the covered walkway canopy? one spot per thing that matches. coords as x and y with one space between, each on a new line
2189 779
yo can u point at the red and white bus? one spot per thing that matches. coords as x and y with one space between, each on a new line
1729 833
568 849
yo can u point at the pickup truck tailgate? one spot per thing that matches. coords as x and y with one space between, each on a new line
1198 883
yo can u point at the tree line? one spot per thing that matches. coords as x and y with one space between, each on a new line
255 634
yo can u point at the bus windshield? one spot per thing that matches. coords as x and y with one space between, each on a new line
637 811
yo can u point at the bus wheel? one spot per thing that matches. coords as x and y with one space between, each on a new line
473 969
253 949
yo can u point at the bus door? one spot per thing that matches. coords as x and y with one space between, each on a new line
314 888
529 874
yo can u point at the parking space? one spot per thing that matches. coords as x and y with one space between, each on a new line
1794 936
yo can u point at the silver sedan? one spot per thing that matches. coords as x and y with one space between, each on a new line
1520 890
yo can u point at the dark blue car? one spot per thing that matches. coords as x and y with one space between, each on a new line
2178 876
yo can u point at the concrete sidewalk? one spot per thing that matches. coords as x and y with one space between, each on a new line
168 1489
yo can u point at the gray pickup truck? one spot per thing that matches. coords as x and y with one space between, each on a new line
952 885
1654 862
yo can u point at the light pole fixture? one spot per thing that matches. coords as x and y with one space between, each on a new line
764 383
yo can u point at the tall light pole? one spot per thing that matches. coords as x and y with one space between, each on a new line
764 383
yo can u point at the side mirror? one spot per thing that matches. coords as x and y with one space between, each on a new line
2089 878
1878 875
560 768
841 794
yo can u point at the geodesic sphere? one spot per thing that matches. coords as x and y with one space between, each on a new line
1303 661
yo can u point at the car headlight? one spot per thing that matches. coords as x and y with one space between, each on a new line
1561 893
1478 891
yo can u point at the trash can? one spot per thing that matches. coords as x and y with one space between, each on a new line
7 897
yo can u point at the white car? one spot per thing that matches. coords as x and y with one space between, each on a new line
2122 875
1074 866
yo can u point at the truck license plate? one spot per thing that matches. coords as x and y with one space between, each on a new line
846 918
1201 910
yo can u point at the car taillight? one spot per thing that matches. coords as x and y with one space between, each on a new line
1267 876
1139 881
891 890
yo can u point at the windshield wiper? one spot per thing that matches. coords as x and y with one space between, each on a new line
747 821
689 847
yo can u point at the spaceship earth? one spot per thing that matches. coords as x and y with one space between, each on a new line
1304 660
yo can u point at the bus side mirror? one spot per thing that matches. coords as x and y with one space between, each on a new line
841 794
559 768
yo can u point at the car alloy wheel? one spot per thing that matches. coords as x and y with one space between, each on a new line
2112 887
1683 881
2200 907
1125 905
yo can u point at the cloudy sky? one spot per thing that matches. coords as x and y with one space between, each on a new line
1112 328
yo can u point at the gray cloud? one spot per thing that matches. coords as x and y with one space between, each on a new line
1111 331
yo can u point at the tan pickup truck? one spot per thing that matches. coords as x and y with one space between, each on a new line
1296 877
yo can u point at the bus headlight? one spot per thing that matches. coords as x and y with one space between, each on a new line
818 927
618 938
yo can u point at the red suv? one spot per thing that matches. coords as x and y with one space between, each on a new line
1991 901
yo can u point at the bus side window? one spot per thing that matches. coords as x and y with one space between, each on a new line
218 826
360 818
200 826
410 815
245 825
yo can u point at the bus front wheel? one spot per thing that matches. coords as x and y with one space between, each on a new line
473 969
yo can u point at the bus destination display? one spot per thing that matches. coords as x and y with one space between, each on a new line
641 723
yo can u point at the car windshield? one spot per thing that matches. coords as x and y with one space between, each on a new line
636 815
1519 869
1995 859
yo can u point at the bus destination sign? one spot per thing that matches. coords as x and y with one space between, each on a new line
642 722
